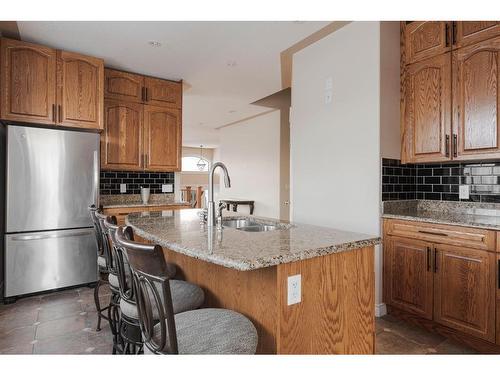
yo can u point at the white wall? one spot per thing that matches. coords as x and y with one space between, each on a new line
336 147
251 152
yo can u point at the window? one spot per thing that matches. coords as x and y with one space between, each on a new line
189 164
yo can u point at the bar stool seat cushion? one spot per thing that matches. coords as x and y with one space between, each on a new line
185 297
101 261
213 331
113 280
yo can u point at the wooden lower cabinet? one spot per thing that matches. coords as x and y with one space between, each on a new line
409 275
447 285
464 290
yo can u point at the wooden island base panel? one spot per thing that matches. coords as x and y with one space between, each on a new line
336 314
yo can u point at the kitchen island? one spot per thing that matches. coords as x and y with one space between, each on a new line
248 272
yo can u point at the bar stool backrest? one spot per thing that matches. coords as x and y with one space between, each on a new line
120 261
106 248
152 286
97 229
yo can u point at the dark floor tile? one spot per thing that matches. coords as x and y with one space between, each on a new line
20 349
17 337
390 343
69 344
60 327
17 319
61 310
452 347
56 298
418 335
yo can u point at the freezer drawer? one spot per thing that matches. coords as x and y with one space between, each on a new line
40 261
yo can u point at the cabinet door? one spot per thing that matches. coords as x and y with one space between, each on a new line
426 39
162 138
464 290
80 90
470 32
123 86
28 82
121 140
408 275
163 93
476 100
498 299
428 109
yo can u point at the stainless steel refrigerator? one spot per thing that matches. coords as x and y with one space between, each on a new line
51 177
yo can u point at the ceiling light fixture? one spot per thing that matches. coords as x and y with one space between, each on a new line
201 163
232 111
154 43
231 63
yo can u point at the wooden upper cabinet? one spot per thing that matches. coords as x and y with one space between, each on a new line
424 39
428 109
408 282
470 32
121 140
476 100
80 81
123 86
27 76
160 92
464 290
162 138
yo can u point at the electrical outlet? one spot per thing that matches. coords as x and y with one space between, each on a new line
328 96
123 188
463 192
294 289
167 188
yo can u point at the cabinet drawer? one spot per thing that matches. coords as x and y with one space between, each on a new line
446 234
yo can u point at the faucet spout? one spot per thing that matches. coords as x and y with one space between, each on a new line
227 183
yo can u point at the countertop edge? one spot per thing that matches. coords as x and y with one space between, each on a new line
135 205
261 263
437 221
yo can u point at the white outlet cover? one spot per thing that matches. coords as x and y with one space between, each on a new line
167 188
463 192
123 188
294 289
328 96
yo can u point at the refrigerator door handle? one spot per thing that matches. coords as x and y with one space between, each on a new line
46 236
96 179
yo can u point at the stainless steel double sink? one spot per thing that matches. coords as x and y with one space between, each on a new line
248 225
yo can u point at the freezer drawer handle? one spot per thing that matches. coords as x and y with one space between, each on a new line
47 236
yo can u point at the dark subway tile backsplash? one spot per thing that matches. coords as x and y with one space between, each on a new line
110 181
440 181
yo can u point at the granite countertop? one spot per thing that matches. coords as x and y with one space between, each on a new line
468 214
182 232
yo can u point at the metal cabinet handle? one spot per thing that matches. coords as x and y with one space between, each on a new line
435 260
447 36
498 274
147 94
433 233
428 258
60 112
454 32
455 145
143 94
54 113
447 145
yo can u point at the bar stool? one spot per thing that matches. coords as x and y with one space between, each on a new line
185 296
103 263
203 331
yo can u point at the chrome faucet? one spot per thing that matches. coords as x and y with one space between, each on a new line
211 219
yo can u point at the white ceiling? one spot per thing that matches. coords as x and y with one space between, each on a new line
215 94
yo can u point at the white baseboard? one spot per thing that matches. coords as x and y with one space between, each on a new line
380 310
